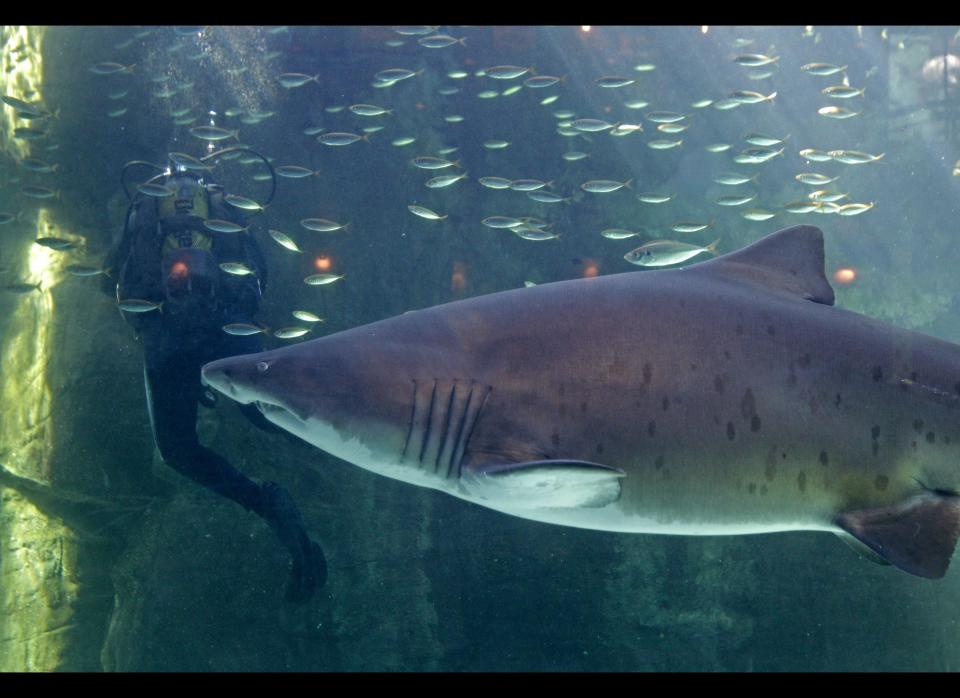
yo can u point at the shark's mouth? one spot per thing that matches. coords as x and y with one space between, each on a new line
268 408
272 410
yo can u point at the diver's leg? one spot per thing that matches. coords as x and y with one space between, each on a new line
173 389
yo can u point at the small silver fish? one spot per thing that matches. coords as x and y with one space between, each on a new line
188 162
689 227
732 178
396 74
854 209
505 72
541 81
22 287
751 97
108 68
546 197
613 81
236 268
662 253
664 144
815 155
29 134
843 91
424 212
291 80
530 233
243 329
837 112
528 184
654 198
306 316
295 172
221 226
618 233
322 225
826 195
445 180
425 162
342 138
242 203
56 243
138 305
603 186
290 332
495 182
822 69
755 60
735 200
800 206
369 110
592 125
81 270
441 41
213 133
501 222
757 214
853 157
284 240
665 117
760 139
815 179
322 279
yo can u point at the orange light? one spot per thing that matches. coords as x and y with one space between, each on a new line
322 263
590 268
458 279
179 270
845 275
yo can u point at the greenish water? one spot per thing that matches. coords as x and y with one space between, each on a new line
126 580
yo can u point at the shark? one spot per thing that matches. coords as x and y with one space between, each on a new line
728 397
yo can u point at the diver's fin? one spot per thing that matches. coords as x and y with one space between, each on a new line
544 484
789 261
917 535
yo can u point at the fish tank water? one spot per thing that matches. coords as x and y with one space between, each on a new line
442 163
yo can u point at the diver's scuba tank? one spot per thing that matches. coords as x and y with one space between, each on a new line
188 266
169 254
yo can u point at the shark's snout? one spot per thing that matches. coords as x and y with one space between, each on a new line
222 375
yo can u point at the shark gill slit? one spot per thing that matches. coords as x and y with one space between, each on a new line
456 439
426 434
462 446
413 415
446 426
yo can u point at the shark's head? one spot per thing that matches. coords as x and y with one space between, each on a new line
333 398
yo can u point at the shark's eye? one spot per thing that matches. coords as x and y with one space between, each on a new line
262 366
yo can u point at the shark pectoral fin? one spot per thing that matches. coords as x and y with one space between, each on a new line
861 549
917 535
544 484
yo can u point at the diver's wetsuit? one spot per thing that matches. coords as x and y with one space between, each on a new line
186 334
173 354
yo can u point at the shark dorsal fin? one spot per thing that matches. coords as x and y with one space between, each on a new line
790 260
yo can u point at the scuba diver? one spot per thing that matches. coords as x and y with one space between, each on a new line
170 254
